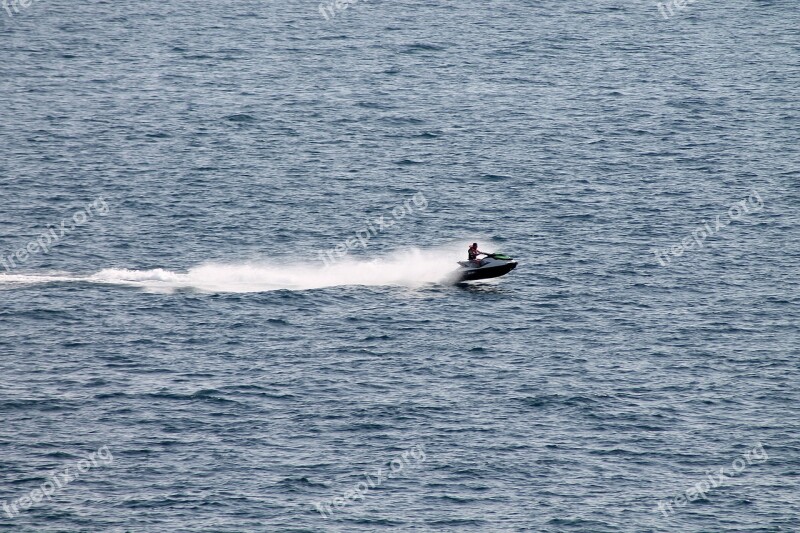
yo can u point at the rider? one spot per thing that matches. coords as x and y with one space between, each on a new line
473 253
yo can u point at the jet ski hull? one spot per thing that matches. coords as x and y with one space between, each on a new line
491 270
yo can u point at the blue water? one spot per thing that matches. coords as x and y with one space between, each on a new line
187 333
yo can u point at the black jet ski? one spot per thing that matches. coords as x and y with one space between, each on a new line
491 266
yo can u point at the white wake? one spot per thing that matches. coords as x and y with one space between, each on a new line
411 268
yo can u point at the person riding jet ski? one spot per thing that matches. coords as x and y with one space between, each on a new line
492 266
473 253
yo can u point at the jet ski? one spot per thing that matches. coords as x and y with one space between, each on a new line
491 266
